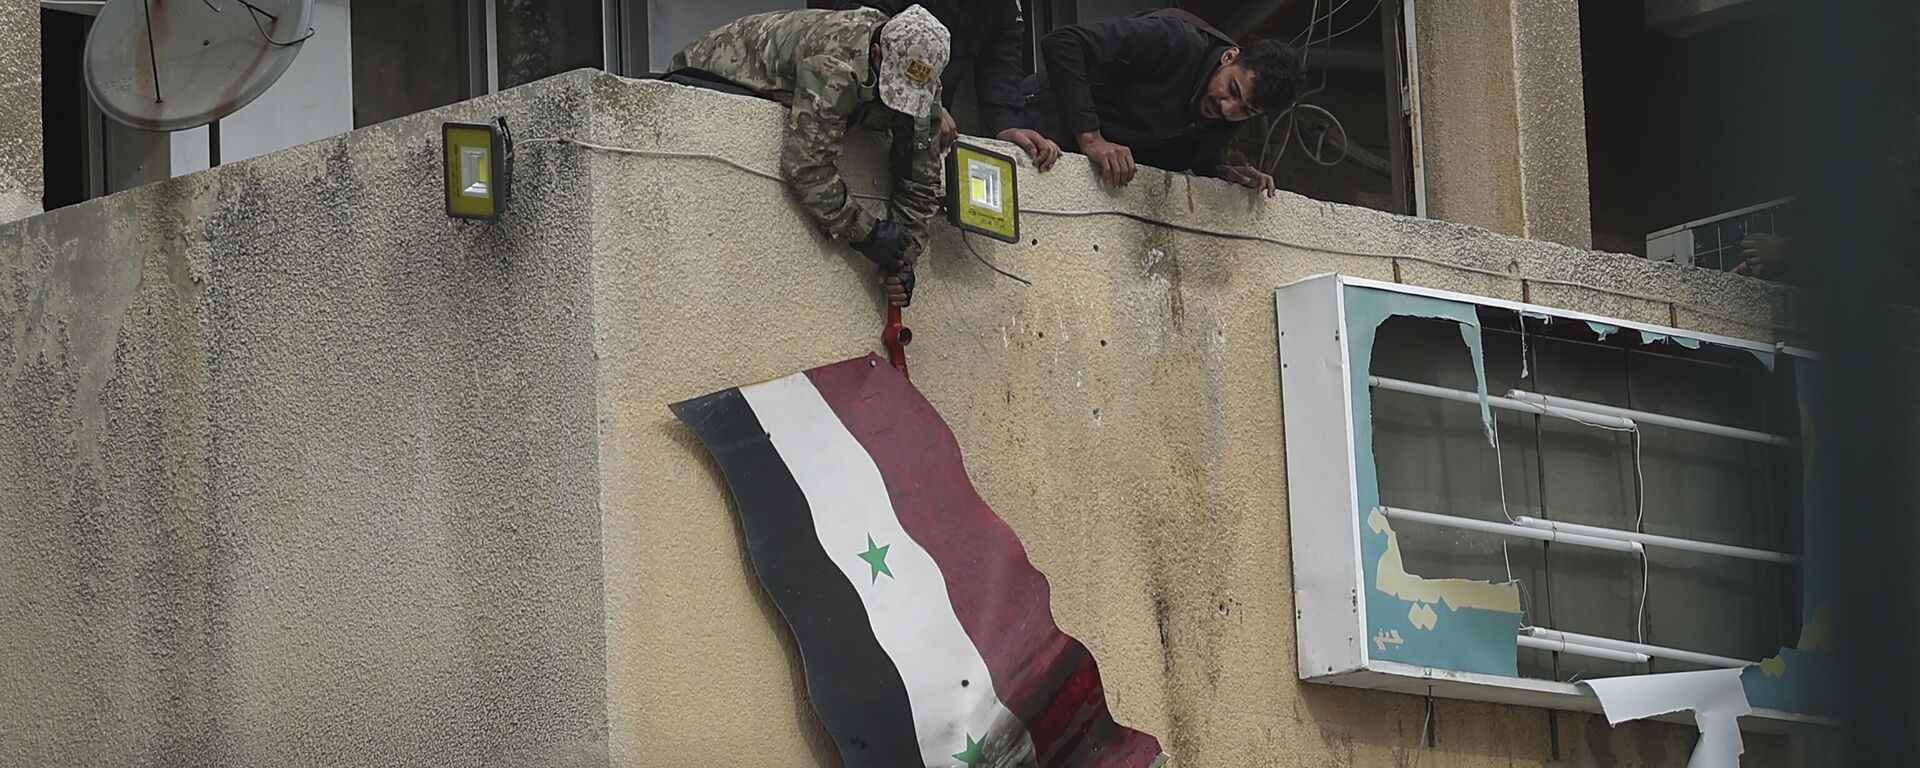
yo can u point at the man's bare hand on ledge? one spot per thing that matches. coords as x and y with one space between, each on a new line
1042 149
1249 177
1113 161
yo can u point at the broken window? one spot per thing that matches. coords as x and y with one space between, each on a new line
1493 500
1433 455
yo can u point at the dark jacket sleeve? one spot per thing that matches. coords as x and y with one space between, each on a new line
1073 53
998 71
1210 154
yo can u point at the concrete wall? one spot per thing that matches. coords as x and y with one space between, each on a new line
22 180
1502 118
293 469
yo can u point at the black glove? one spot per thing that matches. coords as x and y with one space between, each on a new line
886 245
906 280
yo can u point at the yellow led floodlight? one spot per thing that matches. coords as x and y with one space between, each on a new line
983 192
478 173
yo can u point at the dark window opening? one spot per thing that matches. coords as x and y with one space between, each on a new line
410 57
1685 122
1347 140
542 38
65 109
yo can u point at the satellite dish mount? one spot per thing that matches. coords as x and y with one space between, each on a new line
173 65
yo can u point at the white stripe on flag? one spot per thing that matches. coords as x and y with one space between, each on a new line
948 685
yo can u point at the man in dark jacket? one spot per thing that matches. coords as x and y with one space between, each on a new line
987 37
1159 88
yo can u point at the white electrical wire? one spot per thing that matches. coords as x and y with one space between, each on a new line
1327 42
654 153
1640 617
1315 19
1315 154
1197 230
1639 502
1639 518
1500 472
1266 139
1356 25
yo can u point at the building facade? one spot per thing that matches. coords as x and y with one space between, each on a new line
295 468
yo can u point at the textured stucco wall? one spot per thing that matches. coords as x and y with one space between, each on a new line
294 470
1502 117
1122 414
21 176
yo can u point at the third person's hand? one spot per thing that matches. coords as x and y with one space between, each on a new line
1249 177
1042 149
1113 161
1762 255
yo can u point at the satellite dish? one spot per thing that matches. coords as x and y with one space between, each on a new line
170 65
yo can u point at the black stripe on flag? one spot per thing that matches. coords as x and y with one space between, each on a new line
853 683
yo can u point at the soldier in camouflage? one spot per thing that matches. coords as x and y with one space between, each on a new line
840 70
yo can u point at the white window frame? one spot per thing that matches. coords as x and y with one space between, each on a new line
1332 634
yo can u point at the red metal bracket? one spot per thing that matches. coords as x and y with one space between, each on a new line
896 337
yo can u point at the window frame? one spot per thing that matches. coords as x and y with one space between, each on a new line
1333 637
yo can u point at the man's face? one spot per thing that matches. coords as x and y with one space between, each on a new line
1230 92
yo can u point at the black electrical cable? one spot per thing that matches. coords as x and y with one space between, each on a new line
967 237
255 12
1356 25
153 54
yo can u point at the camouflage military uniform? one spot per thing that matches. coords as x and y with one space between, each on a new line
817 62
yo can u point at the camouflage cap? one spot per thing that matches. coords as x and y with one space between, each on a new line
914 48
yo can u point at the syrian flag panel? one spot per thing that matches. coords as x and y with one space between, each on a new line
927 635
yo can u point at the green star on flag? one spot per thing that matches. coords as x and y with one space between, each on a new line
876 557
975 754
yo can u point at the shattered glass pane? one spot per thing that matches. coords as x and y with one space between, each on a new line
1432 455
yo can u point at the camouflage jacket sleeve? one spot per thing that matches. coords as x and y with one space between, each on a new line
915 162
824 100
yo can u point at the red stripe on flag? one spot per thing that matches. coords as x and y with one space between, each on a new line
1044 676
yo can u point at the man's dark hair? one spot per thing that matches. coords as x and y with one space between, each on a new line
1277 73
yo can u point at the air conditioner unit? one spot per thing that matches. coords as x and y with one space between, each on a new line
1714 242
